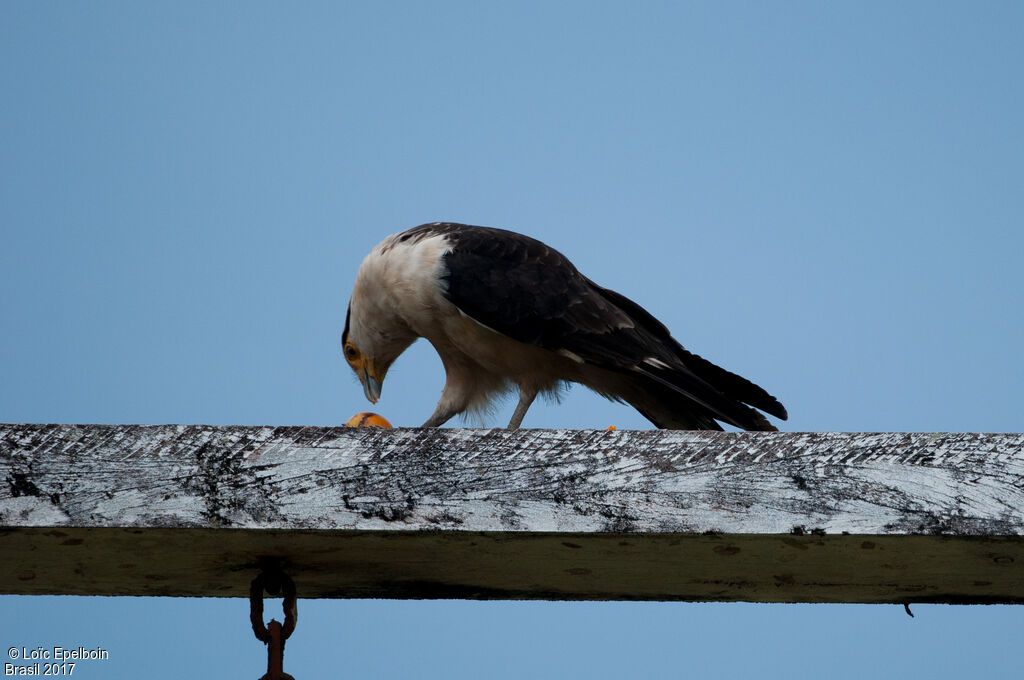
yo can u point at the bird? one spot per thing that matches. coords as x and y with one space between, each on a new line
505 311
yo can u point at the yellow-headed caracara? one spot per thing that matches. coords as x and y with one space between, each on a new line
506 311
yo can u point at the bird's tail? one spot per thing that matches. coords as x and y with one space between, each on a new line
694 393
677 389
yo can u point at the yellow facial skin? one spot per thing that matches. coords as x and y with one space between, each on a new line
366 370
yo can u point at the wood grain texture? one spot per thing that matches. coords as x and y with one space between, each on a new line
567 514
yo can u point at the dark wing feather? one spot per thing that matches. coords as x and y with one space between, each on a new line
519 286
528 291
728 383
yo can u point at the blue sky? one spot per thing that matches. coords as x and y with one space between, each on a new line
825 198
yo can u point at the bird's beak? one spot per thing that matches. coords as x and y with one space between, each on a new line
371 386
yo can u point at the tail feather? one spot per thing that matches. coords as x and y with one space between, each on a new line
689 384
733 385
687 397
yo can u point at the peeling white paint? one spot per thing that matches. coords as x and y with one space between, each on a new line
499 480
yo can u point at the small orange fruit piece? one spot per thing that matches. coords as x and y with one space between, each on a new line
367 420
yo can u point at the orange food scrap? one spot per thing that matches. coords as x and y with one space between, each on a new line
367 420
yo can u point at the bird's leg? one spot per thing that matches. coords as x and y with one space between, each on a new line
526 398
454 398
441 416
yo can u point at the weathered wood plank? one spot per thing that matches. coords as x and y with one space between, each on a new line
787 517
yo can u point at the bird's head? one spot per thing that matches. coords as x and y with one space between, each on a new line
371 342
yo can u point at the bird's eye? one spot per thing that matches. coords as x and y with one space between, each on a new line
351 352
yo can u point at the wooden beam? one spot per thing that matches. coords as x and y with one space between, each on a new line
531 514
